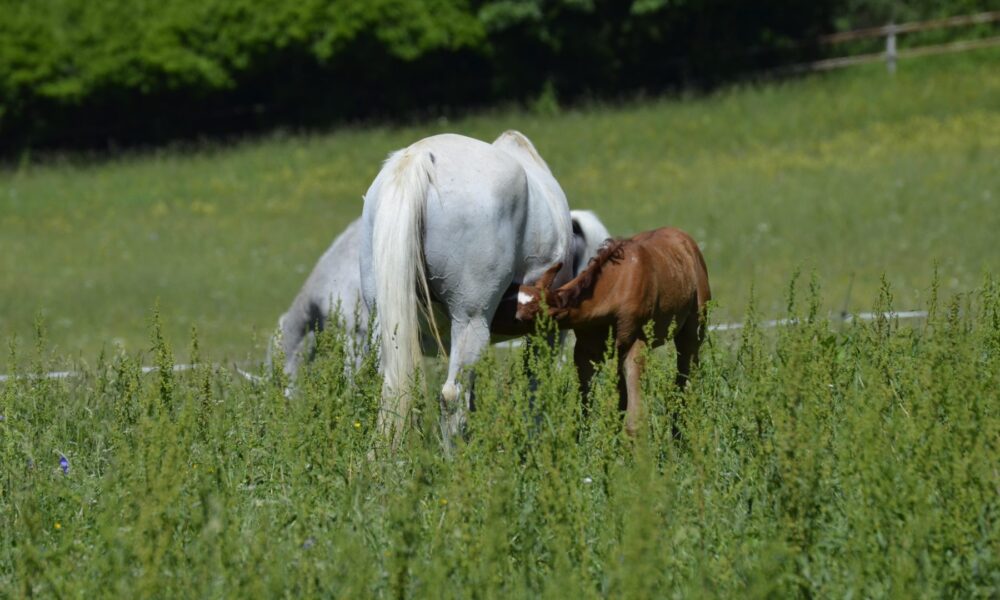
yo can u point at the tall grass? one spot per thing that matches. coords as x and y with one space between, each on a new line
809 462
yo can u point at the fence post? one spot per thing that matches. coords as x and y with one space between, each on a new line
890 49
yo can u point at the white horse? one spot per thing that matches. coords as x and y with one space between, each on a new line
461 223
589 234
335 282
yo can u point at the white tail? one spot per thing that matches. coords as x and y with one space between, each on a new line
398 267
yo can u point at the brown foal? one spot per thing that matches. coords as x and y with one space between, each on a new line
657 276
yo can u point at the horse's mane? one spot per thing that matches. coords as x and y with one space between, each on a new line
611 250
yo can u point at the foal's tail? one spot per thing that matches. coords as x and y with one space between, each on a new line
399 272
704 292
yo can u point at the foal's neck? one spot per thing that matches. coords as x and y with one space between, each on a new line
571 295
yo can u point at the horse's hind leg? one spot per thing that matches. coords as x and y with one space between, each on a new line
468 338
632 366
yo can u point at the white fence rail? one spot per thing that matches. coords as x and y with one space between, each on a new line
847 318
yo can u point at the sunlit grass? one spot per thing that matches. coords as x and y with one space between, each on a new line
853 175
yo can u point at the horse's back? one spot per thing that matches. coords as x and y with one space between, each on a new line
497 204
676 265
460 164
473 185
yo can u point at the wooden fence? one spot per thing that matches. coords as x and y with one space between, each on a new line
891 31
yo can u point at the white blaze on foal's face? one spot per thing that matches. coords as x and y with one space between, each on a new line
527 304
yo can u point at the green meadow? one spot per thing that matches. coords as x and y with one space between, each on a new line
815 460
852 175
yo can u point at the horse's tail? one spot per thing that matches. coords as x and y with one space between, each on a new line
398 268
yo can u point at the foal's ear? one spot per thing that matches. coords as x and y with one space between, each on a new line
545 281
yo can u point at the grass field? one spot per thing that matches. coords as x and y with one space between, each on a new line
856 460
854 174
809 464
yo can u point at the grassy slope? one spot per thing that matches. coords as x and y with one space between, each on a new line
853 174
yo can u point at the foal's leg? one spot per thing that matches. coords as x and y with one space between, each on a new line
588 350
468 338
687 340
632 370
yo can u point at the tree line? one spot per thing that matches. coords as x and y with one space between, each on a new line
81 73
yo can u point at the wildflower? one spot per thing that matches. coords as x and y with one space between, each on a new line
58 525
588 480
444 502
357 424
64 464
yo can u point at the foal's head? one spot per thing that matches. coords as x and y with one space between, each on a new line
530 295
560 301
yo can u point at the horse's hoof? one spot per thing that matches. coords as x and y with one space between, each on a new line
450 394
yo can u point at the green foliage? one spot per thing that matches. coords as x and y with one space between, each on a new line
809 463
73 71
64 58
77 72
70 49
875 13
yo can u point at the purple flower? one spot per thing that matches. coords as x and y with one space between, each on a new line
64 464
